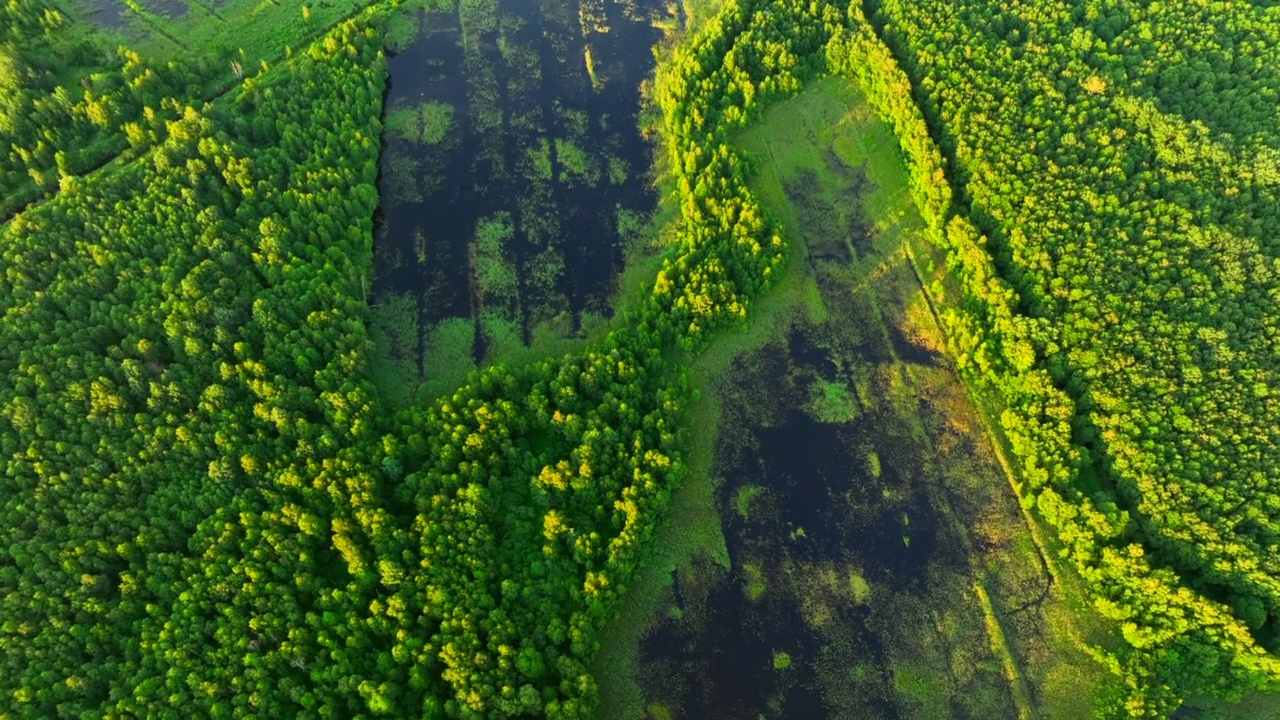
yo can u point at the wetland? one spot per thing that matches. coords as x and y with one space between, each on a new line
848 545
514 182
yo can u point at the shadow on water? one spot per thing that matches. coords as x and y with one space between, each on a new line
521 96
107 13
172 9
814 514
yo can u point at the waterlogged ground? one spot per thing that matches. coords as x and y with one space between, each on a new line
872 561
514 179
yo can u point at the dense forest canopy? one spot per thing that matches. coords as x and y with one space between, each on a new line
1121 159
204 510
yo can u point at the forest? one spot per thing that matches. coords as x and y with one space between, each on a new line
211 507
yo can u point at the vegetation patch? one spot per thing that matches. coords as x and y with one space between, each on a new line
429 123
831 402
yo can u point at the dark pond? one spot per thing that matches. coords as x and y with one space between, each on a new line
172 9
814 513
508 169
107 13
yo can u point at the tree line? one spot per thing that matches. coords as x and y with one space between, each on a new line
1114 301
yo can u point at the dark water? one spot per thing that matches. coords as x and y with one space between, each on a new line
512 89
166 8
107 13
820 506
842 563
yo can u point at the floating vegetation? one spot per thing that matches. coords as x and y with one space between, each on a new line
429 123
539 157
831 402
576 164
744 498
781 660
495 274
755 585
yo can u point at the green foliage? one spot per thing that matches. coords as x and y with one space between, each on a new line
576 166
428 124
1097 236
831 402
64 98
394 333
249 495
448 357
199 357
781 660
402 29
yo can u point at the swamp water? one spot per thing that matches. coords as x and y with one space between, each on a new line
514 182
874 562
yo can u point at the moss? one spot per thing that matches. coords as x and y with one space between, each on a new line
831 402
744 497
427 124
755 584
781 660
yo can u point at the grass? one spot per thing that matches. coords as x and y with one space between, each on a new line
394 362
831 402
449 356
250 30
426 124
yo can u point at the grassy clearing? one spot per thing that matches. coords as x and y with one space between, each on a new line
449 356
394 362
